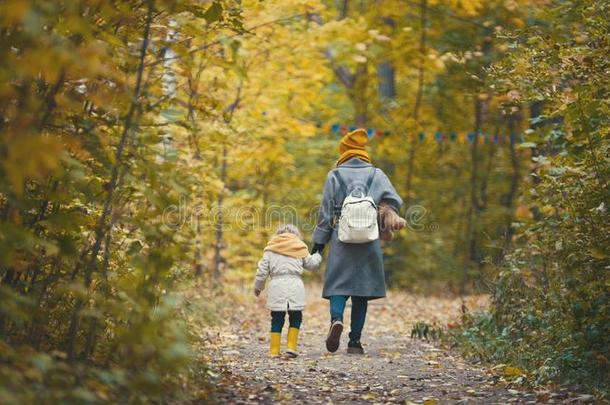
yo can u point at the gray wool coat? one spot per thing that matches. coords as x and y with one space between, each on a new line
353 269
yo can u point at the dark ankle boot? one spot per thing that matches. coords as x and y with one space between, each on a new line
334 336
355 347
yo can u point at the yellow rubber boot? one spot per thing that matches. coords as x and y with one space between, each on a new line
274 344
293 341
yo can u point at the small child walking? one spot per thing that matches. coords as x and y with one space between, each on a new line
284 259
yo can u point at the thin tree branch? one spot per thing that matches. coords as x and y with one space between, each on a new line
102 225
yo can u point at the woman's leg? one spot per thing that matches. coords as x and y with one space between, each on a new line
359 307
337 307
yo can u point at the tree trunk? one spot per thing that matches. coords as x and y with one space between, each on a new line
386 75
104 287
473 211
513 121
418 97
220 218
344 9
358 96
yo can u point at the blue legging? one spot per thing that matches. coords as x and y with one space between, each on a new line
277 320
359 307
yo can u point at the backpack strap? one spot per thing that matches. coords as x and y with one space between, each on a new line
337 207
342 185
369 181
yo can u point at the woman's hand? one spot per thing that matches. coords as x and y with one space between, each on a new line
317 248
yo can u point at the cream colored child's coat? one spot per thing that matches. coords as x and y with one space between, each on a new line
286 290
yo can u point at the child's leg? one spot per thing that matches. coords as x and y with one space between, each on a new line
359 307
337 307
277 323
295 319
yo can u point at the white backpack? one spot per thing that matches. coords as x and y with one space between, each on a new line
358 219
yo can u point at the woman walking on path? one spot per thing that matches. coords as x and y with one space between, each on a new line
354 270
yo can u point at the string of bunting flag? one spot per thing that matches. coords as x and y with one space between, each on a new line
437 137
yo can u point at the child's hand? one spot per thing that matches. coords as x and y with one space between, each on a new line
257 292
314 261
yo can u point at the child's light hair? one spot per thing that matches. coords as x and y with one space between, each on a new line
288 228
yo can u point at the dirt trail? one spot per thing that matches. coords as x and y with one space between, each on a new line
395 368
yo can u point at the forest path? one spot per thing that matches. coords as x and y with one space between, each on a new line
395 368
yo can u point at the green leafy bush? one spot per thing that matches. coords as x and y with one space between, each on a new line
89 261
551 297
